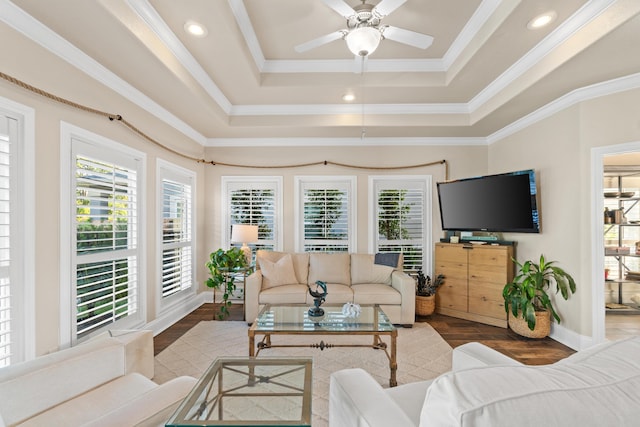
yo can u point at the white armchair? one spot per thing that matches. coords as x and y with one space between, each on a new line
103 382
596 387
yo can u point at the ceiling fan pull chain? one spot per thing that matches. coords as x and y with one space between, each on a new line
363 133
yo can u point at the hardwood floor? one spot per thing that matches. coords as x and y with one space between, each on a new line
454 331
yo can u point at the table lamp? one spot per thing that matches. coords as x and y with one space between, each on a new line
244 233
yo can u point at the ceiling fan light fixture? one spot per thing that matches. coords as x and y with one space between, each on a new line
363 41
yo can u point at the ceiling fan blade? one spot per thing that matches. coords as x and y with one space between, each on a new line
385 7
312 44
400 35
341 7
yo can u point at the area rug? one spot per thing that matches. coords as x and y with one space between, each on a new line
421 353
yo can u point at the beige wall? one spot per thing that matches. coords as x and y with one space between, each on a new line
559 149
37 67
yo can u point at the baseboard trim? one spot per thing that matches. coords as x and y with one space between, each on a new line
170 317
570 338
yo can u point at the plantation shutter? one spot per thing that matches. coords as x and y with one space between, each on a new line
177 257
7 327
254 204
400 216
326 215
106 261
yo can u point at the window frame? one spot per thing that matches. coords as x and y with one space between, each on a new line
173 172
387 181
348 183
229 183
74 139
22 224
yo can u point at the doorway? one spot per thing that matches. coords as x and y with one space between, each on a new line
616 170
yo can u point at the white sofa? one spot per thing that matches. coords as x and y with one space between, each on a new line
103 382
595 387
283 278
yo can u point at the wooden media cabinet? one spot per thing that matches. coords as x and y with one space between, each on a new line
474 278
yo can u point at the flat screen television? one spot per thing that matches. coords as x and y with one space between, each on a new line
504 203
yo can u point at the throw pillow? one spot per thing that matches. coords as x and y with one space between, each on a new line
277 273
364 270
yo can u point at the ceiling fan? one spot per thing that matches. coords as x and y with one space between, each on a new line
365 30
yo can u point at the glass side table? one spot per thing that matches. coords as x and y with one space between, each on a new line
231 274
249 392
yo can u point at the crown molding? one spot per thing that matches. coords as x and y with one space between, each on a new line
342 142
486 9
246 28
284 66
334 109
572 98
150 16
561 34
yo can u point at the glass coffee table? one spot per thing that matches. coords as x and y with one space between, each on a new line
294 319
249 392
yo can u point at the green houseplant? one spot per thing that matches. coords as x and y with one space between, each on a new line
526 298
221 264
426 293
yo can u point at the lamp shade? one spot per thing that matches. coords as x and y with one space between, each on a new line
363 41
244 233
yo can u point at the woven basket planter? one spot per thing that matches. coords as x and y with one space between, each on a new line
425 306
542 329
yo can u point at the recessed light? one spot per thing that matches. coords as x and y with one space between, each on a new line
195 29
348 97
542 20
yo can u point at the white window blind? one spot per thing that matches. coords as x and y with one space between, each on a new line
6 325
106 228
17 247
177 237
256 201
401 219
326 212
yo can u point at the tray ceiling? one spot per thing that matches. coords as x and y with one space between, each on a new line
484 71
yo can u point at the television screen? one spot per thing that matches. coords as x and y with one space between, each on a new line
504 202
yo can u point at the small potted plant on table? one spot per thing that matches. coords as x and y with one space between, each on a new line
526 300
426 293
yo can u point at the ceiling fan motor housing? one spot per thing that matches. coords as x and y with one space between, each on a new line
364 17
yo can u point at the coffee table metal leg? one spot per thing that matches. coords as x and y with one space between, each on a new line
252 346
393 365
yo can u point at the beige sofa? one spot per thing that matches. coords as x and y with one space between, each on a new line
596 387
103 382
283 278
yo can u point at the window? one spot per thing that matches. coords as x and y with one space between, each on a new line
257 201
401 218
325 214
176 231
16 233
104 252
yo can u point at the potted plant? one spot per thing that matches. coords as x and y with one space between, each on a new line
426 293
526 299
222 264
